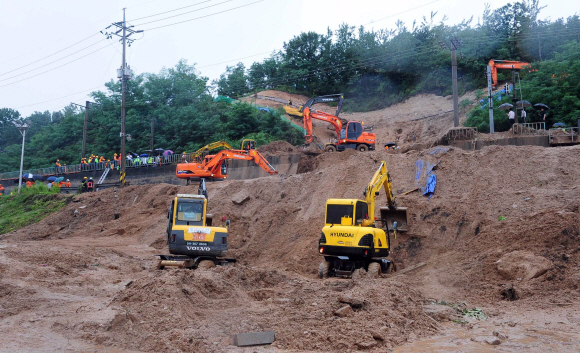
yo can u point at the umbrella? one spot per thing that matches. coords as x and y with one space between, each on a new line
559 125
167 152
159 151
523 104
148 151
144 155
505 106
59 179
51 178
27 176
539 106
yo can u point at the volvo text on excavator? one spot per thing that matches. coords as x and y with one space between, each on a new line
351 238
192 239
215 166
349 134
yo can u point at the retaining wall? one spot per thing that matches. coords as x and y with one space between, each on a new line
237 169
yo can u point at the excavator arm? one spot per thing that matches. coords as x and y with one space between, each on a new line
211 146
252 155
391 213
309 115
504 64
339 97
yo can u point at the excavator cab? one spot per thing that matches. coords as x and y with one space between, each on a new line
351 131
248 144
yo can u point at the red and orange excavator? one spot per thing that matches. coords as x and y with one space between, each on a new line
215 166
350 134
504 64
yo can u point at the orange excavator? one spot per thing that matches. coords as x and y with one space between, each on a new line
504 64
350 134
215 166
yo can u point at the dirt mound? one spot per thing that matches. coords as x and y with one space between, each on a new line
277 148
522 265
92 277
231 300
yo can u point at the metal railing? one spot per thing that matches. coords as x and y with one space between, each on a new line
461 133
140 162
567 135
530 128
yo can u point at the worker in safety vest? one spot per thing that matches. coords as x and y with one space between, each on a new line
84 185
67 184
57 166
29 184
90 185
61 184
1 189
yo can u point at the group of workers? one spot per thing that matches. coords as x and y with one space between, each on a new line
88 185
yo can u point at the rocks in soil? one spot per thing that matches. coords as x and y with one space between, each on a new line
344 311
354 303
509 292
522 265
240 198
441 313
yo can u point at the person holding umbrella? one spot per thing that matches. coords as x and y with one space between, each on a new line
512 117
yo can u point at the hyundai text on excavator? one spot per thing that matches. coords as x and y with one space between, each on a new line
215 166
351 239
350 134
192 240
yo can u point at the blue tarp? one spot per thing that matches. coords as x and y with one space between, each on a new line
430 186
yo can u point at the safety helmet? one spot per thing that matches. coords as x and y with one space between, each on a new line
91 178
85 177
67 180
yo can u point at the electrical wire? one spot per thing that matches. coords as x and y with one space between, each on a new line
162 13
51 55
50 63
197 18
84 56
184 13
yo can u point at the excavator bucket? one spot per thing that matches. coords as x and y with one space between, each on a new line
398 214
312 149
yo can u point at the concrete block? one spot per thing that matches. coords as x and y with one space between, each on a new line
254 338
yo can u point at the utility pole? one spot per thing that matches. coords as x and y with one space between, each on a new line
22 129
490 100
124 73
85 126
455 46
152 132
514 99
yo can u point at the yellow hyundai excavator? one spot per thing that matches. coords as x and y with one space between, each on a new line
351 239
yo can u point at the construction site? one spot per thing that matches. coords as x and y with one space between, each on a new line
488 259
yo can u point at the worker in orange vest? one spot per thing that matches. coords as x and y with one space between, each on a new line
28 184
1 189
67 184
60 184
57 166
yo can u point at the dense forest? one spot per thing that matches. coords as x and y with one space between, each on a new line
378 68
178 99
374 69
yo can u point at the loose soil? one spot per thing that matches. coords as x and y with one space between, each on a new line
82 279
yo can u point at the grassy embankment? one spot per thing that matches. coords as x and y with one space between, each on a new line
32 205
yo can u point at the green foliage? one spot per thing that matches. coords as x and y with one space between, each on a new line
186 118
375 69
554 82
32 205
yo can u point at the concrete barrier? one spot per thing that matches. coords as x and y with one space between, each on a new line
542 141
237 170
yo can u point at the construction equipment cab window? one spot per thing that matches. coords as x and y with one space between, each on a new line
335 213
190 212
362 212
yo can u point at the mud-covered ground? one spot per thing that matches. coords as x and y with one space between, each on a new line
82 280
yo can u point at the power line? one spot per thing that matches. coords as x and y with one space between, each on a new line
229 61
42 73
50 63
162 13
53 54
184 13
402 12
197 18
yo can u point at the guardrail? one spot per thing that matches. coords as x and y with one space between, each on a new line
567 135
99 166
530 128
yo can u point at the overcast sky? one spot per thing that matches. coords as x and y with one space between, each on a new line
30 30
